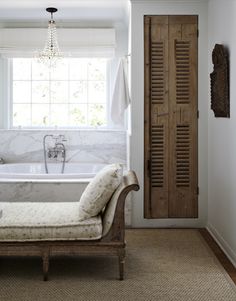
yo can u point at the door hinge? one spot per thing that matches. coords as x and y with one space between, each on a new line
198 190
198 33
197 114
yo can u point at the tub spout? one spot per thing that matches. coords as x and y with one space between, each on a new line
2 161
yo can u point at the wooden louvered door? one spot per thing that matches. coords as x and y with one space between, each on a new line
170 116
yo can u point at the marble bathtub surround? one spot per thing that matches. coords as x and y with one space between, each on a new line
85 146
101 146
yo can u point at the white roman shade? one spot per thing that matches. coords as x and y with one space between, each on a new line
85 42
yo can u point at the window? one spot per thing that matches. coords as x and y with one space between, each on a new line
73 94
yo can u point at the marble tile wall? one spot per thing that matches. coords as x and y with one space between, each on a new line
18 146
81 145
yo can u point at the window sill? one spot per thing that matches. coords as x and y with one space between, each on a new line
64 130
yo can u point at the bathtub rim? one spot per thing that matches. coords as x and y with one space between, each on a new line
48 178
45 181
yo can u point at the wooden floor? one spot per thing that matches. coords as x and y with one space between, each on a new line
228 266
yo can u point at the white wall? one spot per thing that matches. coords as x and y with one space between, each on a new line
222 135
138 10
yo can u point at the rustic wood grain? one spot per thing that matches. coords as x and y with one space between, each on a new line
183 175
220 103
171 109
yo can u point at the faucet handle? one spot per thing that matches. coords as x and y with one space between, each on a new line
63 138
59 138
56 138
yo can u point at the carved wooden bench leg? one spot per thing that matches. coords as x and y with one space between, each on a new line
121 257
45 258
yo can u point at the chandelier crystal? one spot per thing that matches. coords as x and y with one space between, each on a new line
51 53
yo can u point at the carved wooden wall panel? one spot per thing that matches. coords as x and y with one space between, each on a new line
220 82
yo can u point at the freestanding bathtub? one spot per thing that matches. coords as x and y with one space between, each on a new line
28 182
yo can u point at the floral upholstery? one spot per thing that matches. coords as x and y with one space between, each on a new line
99 191
46 221
109 213
34 221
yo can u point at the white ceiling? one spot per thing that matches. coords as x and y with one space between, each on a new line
68 10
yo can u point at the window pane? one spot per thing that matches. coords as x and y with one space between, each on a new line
21 69
78 69
59 91
97 115
40 115
59 115
97 93
39 71
97 69
60 71
21 91
40 92
21 115
78 115
78 92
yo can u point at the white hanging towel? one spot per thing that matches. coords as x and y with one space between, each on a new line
120 96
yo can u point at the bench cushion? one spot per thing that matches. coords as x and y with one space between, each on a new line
46 221
99 191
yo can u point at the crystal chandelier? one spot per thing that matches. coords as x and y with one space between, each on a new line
51 52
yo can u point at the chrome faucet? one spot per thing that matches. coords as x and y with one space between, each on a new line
2 161
58 148
55 151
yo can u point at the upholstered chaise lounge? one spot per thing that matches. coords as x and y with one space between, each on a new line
51 229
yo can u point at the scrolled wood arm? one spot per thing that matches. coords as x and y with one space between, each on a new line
116 233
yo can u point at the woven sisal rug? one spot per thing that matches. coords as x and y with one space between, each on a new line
161 265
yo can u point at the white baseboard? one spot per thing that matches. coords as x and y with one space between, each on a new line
223 244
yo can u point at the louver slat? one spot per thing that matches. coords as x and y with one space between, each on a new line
157 72
157 156
183 156
182 71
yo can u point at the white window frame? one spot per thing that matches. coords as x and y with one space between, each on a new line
6 91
